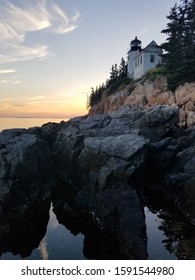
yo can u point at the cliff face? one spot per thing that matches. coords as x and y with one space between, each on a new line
147 94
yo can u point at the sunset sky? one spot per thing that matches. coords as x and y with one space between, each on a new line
53 51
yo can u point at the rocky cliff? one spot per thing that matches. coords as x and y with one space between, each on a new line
147 94
100 166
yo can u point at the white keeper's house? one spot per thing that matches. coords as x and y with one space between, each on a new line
141 60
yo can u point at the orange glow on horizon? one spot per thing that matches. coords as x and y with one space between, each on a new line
44 107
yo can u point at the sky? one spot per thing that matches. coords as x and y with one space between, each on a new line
53 51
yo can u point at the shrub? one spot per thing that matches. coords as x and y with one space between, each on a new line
154 73
118 85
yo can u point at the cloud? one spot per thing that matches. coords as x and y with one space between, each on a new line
143 31
35 98
5 99
7 71
18 21
62 23
10 82
19 52
19 105
6 81
69 94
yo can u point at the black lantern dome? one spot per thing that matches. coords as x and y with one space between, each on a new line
135 44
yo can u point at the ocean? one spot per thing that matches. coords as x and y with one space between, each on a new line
7 123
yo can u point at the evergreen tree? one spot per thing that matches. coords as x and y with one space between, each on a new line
107 83
190 40
122 69
92 97
88 102
92 91
180 49
184 27
114 73
96 91
173 47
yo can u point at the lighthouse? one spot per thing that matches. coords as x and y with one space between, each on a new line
141 60
135 49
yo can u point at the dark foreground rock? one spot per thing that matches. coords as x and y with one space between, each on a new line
101 165
26 174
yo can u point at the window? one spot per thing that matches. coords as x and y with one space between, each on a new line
152 58
140 59
135 63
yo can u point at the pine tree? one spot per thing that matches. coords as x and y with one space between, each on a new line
92 97
116 72
184 28
107 83
190 40
122 69
88 102
112 74
92 91
180 45
173 47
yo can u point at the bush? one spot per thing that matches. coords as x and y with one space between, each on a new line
118 85
131 88
154 73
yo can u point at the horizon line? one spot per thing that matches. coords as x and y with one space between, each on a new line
26 117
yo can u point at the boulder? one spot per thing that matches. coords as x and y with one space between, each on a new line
172 171
25 169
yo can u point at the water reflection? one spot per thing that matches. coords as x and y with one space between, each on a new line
155 244
20 234
61 244
98 243
42 240
43 249
170 235
180 235
42 234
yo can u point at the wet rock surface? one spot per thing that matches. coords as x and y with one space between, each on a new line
100 165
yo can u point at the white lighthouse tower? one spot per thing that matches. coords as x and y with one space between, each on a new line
135 49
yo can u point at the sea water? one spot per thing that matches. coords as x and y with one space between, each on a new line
7 123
